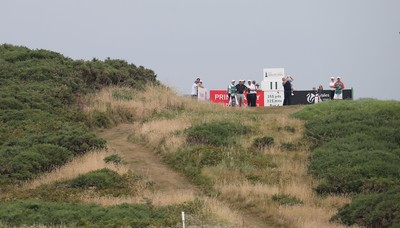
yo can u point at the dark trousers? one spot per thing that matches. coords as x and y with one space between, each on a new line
332 94
288 94
253 99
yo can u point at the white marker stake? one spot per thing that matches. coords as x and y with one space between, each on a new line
183 219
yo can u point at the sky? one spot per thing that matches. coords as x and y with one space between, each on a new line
221 40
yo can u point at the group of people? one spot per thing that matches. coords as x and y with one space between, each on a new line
198 83
236 93
336 88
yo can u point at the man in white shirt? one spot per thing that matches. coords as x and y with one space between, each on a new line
252 92
332 87
195 87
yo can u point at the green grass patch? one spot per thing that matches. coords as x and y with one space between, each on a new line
35 212
215 133
191 160
284 199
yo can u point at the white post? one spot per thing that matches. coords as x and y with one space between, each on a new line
183 219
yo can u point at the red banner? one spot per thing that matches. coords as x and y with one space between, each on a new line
220 96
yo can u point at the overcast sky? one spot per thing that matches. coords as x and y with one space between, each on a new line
221 40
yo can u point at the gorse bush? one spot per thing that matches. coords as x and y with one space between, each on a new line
215 133
356 149
41 123
377 210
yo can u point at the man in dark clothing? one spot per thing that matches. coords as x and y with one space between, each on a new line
240 88
287 86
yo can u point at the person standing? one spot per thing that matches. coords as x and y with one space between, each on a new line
253 94
231 94
339 86
248 96
287 86
240 88
201 92
332 88
195 88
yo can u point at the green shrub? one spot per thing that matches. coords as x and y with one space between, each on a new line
375 210
356 149
99 179
114 158
289 146
215 133
35 212
284 199
263 142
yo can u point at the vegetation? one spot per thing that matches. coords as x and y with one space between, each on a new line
114 158
42 125
34 212
221 133
284 199
357 150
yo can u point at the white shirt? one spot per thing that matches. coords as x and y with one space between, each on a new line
332 85
252 88
194 89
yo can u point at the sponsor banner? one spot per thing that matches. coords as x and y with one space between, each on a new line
309 96
221 96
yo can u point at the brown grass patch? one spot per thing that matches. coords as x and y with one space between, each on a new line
78 166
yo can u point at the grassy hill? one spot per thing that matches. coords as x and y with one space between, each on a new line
326 165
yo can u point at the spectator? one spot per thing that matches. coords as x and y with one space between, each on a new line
248 93
195 87
201 91
332 88
339 86
240 88
232 94
252 94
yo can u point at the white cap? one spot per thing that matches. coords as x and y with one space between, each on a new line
233 80
338 77
332 77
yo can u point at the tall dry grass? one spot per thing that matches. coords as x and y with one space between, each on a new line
79 165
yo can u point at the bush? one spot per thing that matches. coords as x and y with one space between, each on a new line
215 133
263 142
35 212
356 149
289 146
284 199
375 210
99 179
114 158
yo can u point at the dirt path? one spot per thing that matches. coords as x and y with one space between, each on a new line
143 161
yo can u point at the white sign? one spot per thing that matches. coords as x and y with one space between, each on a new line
272 86
273 98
